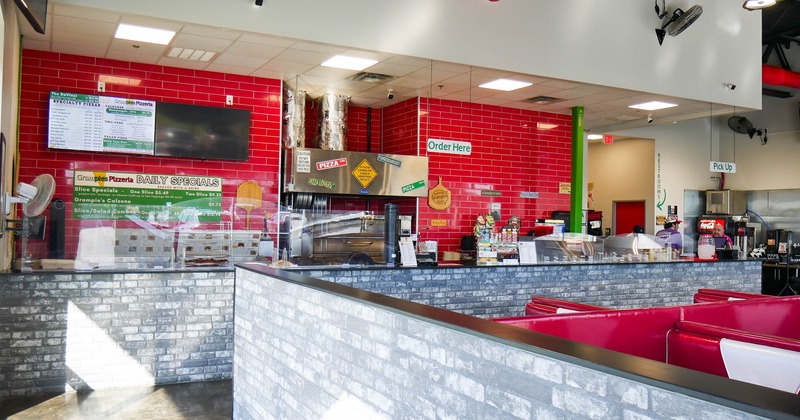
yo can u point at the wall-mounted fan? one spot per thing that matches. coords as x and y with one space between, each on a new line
676 23
34 197
742 125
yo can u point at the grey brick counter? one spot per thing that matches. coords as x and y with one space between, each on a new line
308 349
504 290
102 330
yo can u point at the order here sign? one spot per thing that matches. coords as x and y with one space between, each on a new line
449 146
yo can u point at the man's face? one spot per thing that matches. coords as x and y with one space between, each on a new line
718 230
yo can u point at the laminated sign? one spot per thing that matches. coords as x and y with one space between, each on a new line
439 197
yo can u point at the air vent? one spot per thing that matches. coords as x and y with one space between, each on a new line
543 100
370 77
190 54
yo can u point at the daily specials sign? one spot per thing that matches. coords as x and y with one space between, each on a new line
151 197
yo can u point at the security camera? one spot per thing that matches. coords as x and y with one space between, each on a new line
730 86
390 95
649 118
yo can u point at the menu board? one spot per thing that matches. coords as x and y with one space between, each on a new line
101 123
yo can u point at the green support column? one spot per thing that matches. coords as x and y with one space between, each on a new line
576 187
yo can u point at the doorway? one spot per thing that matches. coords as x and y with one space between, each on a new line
628 214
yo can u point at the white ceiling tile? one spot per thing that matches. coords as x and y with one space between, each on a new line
82 40
133 56
286 67
35 44
302 57
196 42
392 69
318 48
133 47
84 26
223 68
96 15
186 64
71 48
261 39
209 32
247 49
251 63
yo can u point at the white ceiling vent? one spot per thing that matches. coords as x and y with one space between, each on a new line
368 77
190 54
543 100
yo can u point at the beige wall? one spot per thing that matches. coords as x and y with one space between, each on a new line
622 171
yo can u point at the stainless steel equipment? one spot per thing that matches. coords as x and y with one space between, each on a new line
725 202
355 173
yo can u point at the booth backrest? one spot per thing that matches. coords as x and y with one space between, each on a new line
716 295
638 332
779 317
547 306
738 335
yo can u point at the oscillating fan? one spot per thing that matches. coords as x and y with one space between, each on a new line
678 22
35 197
742 125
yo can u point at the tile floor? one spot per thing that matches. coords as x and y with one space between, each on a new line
196 401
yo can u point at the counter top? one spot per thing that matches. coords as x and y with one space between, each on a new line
459 265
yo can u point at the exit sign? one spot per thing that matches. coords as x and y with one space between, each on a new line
727 167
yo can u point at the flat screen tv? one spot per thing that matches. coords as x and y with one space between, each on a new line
35 11
201 132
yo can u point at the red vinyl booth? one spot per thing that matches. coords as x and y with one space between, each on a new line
717 295
548 306
754 340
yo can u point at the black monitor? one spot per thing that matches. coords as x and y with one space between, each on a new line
202 132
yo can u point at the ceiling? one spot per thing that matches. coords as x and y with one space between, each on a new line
90 32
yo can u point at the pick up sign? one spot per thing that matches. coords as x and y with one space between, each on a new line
727 167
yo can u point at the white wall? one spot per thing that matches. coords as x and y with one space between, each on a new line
622 171
682 155
598 42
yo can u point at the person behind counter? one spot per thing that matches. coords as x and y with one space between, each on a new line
721 240
670 237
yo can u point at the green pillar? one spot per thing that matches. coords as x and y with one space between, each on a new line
576 187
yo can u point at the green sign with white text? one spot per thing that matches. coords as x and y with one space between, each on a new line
160 198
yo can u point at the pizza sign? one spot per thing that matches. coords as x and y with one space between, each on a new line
331 164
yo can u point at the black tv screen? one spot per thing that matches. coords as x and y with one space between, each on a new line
202 132
35 11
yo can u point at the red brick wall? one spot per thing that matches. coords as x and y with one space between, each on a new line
532 160
509 154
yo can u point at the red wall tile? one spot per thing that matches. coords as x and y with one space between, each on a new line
509 154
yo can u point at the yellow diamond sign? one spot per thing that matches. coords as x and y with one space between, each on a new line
364 173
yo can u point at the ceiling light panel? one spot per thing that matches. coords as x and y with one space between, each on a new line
144 34
594 136
349 63
505 85
653 105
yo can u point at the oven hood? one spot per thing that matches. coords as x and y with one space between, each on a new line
355 173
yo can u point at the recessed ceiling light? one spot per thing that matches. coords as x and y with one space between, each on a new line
144 34
546 126
349 63
758 4
505 84
653 105
594 136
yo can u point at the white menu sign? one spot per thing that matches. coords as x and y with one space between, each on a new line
101 123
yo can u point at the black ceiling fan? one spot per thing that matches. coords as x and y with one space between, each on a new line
742 125
676 23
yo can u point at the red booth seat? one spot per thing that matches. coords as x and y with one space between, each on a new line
548 306
717 295
760 359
